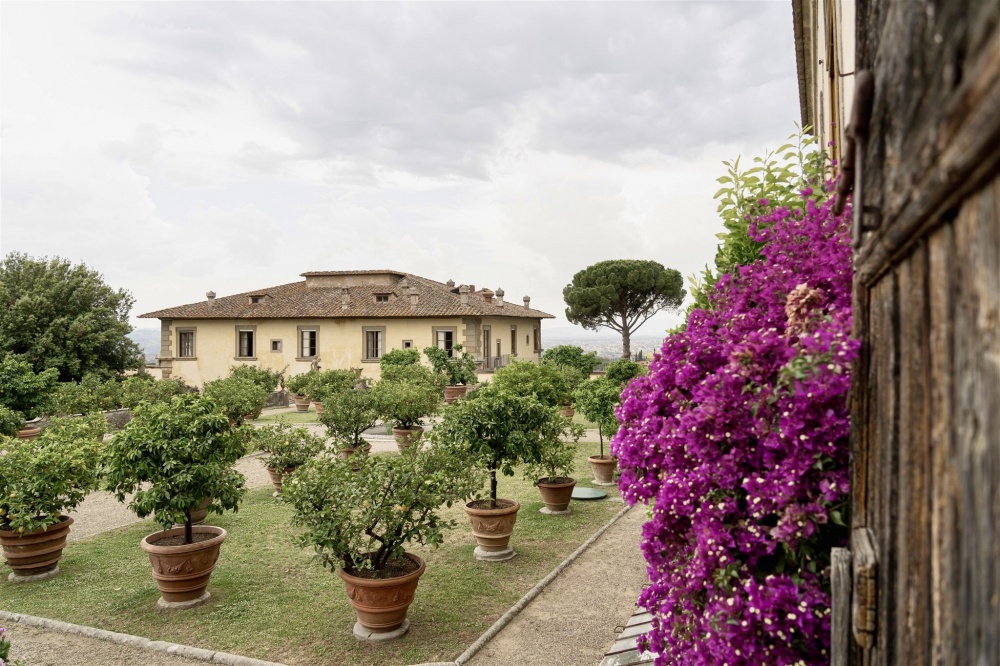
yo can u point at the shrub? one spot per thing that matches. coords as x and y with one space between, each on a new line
269 380
360 517
544 381
623 371
573 357
10 421
285 446
93 424
738 437
298 384
331 382
399 357
237 397
23 391
43 477
172 456
143 388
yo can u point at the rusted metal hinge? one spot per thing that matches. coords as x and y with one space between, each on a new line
864 599
851 166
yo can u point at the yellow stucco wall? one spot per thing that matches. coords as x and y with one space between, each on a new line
341 343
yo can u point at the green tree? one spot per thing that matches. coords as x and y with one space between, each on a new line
622 294
573 357
58 315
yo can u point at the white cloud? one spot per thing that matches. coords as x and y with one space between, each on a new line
181 147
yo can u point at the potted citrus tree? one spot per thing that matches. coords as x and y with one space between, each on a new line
546 382
596 399
330 382
499 430
297 386
171 458
358 408
407 394
457 367
238 397
40 479
359 522
552 472
285 448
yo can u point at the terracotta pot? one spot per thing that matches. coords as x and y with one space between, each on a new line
29 432
492 528
567 411
453 392
199 515
182 572
406 437
319 407
381 603
277 476
603 468
557 495
35 552
301 403
252 416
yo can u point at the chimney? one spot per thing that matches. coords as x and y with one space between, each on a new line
463 292
487 295
500 297
211 297
472 288
527 301
451 284
414 297
345 299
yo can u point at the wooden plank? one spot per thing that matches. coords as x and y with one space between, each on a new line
977 415
860 459
945 519
912 622
840 597
935 135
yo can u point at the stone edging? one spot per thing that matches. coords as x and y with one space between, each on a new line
514 610
136 641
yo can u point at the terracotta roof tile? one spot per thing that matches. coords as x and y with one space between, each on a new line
297 300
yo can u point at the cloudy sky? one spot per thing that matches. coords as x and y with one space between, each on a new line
178 147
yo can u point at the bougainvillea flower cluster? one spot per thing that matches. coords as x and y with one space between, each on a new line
737 440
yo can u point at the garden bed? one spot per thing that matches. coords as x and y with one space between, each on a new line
270 601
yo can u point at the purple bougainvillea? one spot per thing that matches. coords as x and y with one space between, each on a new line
737 440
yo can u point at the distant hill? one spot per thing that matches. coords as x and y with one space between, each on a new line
149 340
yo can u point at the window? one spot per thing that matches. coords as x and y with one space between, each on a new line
256 299
444 338
308 342
374 342
513 340
246 342
407 344
536 341
185 343
276 345
381 298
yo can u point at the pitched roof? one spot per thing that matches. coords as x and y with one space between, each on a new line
322 294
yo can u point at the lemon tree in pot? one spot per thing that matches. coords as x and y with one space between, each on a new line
596 399
24 394
551 473
39 480
352 410
457 367
285 449
407 394
359 522
499 430
326 384
172 458
238 397
297 386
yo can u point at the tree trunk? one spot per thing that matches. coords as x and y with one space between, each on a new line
493 488
188 532
626 342
601 436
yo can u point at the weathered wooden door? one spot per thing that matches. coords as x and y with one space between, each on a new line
925 496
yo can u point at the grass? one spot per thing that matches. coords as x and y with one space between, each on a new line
291 417
271 601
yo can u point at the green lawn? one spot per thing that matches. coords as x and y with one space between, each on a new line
270 601
291 417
